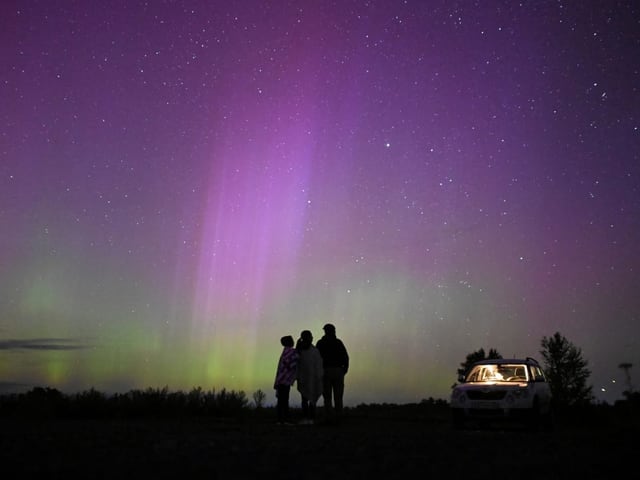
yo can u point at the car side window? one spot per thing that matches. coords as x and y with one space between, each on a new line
538 376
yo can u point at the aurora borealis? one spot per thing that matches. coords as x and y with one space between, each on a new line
184 182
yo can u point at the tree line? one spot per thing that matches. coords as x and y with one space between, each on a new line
152 402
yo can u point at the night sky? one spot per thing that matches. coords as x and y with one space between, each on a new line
183 183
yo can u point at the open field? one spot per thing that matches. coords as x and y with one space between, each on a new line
370 442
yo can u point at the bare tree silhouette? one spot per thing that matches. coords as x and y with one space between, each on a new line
627 373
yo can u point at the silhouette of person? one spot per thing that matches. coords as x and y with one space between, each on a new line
285 377
309 376
335 363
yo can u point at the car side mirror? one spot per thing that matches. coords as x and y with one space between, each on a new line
461 378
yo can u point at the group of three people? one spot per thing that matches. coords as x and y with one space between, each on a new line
318 371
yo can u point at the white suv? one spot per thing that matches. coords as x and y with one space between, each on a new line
502 389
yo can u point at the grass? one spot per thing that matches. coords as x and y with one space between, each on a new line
162 434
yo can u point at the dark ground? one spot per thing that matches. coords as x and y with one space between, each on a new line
371 442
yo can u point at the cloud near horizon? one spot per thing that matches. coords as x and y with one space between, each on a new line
42 344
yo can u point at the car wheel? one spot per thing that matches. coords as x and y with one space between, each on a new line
535 417
457 419
547 420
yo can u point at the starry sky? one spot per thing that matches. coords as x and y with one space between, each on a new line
184 182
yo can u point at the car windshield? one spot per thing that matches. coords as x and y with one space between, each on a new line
498 373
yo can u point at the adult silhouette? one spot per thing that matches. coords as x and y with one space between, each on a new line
309 377
335 363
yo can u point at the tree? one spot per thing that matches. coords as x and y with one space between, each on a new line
626 366
258 398
476 357
566 371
